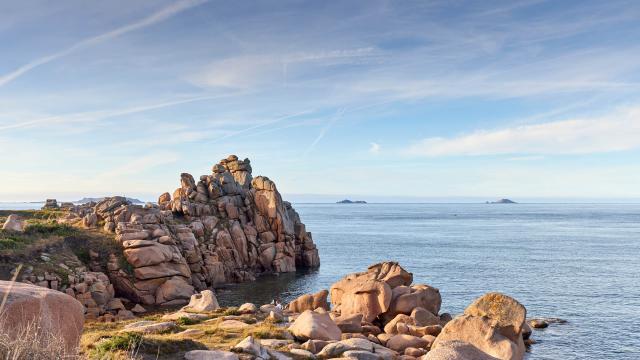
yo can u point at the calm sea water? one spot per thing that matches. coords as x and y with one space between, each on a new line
579 262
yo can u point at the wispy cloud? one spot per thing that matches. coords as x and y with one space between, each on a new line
617 131
323 131
374 148
249 71
156 17
93 116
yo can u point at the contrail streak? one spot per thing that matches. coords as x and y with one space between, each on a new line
158 16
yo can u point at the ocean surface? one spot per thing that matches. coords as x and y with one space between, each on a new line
579 262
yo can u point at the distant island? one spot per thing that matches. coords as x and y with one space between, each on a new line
502 201
98 199
347 201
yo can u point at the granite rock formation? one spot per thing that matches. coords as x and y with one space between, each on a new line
225 227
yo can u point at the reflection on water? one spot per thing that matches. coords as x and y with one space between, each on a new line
287 286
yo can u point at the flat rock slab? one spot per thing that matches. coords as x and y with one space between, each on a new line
183 314
149 327
233 324
274 343
210 355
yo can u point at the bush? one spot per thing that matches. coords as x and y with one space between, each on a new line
51 228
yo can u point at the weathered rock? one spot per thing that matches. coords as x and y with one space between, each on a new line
187 315
401 341
274 343
13 223
457 350
50 204
305 354
356 294
149 327
482 333
316 326
424 317
391 273
506 311
51 311
202 302
175 288
252 347
392 326
405 299
248 308
349 324
310 302
275 316
138 309
538 323
336 349
315 346
415 352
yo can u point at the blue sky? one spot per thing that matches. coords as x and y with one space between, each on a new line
409 99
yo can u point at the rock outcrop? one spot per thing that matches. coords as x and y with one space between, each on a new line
224 227
44 310
493 324
382 289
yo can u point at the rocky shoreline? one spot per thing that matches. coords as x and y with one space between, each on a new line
376 314
115 268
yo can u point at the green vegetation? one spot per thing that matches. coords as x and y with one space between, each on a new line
126 341
187 321
232 311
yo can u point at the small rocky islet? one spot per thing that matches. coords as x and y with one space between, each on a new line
110 276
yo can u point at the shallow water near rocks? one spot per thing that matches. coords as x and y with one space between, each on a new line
579 262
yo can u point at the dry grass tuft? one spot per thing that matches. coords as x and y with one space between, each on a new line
31 342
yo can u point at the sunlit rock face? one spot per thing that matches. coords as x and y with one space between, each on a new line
224 227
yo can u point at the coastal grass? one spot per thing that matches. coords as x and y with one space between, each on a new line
38 236
106 341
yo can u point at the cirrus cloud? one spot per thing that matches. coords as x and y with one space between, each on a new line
617 131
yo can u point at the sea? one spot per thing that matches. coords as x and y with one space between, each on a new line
577 262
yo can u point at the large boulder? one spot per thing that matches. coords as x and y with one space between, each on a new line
50 311
175 288
312 325
310 302
405 299
203 302
457 350
483 333
13 223
508 313
253 347
356 294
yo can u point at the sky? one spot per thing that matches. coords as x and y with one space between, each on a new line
366 99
